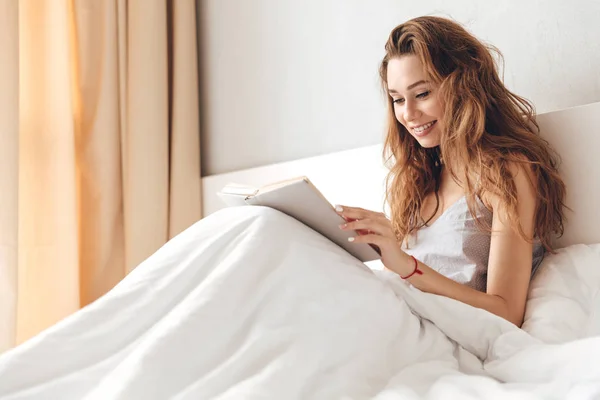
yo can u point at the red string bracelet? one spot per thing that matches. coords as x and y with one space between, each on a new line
416 270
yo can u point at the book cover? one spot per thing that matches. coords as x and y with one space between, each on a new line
300 199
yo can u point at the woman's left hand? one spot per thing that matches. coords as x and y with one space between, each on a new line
376 229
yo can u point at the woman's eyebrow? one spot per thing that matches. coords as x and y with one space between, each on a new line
409 86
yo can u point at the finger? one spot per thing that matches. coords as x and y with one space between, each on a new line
352 212
382 219
364 212
382 216
339 209
363 225
376 240
366 226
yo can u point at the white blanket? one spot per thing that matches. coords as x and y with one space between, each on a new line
250 304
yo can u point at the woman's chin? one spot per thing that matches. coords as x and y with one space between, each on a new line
428 142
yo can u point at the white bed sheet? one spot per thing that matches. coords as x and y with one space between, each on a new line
250 304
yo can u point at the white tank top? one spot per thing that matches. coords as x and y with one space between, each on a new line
455 247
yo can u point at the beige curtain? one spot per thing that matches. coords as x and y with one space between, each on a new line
107 137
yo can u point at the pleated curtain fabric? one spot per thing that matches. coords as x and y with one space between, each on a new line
100 148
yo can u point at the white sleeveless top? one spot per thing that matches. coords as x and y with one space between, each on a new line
455 247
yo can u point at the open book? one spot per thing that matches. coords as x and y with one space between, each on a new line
300 199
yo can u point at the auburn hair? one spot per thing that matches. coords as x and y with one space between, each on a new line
486 129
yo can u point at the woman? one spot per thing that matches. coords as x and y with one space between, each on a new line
474 192
249 303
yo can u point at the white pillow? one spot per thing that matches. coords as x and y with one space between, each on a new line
563 303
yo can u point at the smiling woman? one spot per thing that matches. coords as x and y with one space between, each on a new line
417 106
250 302
461 146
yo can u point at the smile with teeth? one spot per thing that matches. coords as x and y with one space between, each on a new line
422 128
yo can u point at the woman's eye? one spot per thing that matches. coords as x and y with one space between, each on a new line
398 101
423 95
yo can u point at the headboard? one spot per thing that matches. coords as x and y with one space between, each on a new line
575 134
356 177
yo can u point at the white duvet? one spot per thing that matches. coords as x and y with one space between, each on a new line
250 304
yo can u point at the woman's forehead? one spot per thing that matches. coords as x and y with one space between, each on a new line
404 73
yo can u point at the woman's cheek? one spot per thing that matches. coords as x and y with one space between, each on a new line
399 118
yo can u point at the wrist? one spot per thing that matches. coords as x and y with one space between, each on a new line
412 268
404 265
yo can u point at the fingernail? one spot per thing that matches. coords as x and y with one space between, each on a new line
351 239
339 208
342 226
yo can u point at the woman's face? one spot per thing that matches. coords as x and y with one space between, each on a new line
416 103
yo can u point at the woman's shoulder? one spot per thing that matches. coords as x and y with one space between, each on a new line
519 172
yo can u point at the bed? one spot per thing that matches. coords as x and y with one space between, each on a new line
250 304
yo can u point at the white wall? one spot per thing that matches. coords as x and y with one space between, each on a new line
286 79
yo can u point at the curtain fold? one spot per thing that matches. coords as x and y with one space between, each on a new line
9 169
108 143
99 132
48 261
185 149
146 150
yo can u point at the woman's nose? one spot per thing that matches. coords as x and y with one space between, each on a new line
411 112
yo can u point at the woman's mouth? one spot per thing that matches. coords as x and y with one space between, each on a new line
423 130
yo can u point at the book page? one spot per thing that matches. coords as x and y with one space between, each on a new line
238 190
280 184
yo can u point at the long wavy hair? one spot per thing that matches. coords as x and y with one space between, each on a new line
485 128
